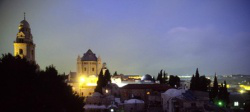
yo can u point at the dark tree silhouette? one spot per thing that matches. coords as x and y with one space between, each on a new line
100 82
165 78
214 91
25 88
107 77
223 94
204 83
159 77
115 74
192 83
199 83
174 81
103 80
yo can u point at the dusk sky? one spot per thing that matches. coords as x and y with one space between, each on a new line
135 36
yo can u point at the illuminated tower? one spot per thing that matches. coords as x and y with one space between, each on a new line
24 46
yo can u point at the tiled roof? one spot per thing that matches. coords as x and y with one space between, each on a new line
89 56
156 87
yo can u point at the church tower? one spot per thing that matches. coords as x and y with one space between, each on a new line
23 45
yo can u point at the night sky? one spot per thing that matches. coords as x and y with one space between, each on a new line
135 36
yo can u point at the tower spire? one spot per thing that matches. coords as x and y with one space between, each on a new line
24 15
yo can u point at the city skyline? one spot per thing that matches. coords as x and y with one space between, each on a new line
135 37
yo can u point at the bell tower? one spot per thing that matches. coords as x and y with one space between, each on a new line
23 45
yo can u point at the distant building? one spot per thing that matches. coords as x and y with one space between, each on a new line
147 79
89 64
84 81
23 45
143 91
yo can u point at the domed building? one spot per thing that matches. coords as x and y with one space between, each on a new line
147 79
23 45
89 64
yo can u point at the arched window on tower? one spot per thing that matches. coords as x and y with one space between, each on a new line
20 51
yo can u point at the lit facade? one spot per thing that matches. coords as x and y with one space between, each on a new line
88 64
23 45
84 81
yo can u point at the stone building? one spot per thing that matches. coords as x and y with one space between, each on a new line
89 64
23 45
145 92
84 81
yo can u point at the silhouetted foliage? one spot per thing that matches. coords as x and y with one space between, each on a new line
25 88
199 83
115 74
165 78
192 86
174 81
223 94
100 82
214 91
159 77
162 77
107 77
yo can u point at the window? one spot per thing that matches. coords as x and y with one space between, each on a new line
93 69
148 93
85 69
20 51
236 103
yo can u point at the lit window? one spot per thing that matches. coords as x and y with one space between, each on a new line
236 103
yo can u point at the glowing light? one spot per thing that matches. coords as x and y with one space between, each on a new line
82 79
112 110
91 84
148 93
220 103
246 87
107 91
236 103
242 91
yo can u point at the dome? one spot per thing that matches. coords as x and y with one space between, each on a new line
147 77
89 56
174 92
25 24
133 101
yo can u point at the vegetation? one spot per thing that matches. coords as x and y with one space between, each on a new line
162 77
199 83
103 80
174 81
25 88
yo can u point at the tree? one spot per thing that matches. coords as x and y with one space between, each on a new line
100 82
199 83
196 80
214 91
223 94
192 83
107 77
204 83
174 81
25 88
115 74
159 77
165 78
